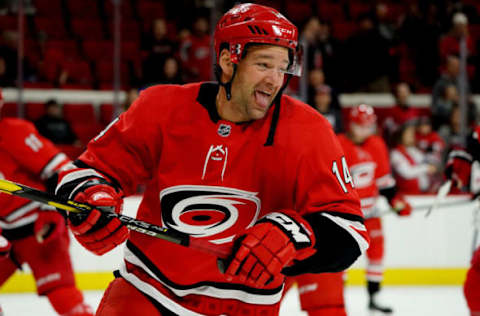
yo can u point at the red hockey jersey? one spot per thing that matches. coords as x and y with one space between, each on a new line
370 168
28 158
211 179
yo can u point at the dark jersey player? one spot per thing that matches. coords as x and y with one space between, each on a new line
234 163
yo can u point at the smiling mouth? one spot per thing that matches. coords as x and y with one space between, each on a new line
263 98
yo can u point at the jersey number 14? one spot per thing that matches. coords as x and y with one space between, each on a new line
344 178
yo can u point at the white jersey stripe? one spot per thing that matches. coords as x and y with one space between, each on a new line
74 175
155 294
19 212
21 222
208 290
351 227
52 166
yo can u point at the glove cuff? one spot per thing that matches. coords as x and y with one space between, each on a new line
294 226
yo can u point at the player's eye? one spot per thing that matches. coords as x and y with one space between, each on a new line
262 66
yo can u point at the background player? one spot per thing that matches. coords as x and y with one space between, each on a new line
459 170
235 164
367 155
37 237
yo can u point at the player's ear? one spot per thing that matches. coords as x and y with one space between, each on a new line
226 64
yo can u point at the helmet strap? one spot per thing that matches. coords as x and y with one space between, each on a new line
276 113
227 85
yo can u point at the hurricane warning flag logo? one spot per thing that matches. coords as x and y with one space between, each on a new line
211 212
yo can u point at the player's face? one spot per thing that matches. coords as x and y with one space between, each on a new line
260 75
359 133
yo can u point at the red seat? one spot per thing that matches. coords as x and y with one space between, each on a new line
79 113
49 8
70 150
9 110
130 50
8 22
298 11
33 111
106 113
150 10
130 30
97 50
76 86
126 9
68 48
88 29
330 11
78 71
86 131
105 71
343 30
38 85
358 8
54 28
83 9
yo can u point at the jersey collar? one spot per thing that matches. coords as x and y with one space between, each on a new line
207 98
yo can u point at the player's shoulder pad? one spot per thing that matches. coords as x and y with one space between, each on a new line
16 126
168 98
297 112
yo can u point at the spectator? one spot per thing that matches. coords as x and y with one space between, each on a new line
450 43
323 51
401 113
420 31
383 22
451 131
158 47
429 141
323 104
171 72
445 95
195 52
412 171
368 58
53 126
8 59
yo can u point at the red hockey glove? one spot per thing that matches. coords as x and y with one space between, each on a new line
268 246
48 226
5 246
96 231
458 169
401 206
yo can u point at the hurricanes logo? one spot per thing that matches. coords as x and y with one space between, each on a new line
215 213
363 174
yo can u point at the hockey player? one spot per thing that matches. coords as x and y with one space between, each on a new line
36 237
367 155
234 163
459 170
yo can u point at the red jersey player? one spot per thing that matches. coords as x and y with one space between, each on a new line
38 237
234 163
459 167
367 155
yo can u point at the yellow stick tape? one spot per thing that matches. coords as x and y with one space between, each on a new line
8 187
24 282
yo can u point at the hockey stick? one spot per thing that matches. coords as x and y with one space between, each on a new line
442 193
167 234
426 207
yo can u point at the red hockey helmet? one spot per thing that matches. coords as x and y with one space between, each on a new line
252 23
363 115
